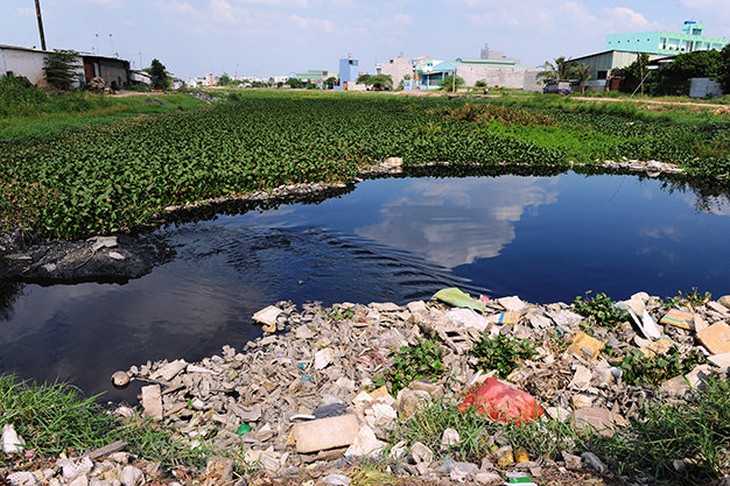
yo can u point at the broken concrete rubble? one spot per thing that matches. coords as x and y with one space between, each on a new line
308 396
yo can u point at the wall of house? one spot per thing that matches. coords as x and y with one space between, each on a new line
397 69
23 62
505 77
114 72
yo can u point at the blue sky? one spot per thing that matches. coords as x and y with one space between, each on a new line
275 37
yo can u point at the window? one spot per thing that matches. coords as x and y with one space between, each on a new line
602 75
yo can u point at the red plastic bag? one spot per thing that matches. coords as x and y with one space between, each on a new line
503 402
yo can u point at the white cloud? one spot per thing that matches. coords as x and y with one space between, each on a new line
313 22
105 3
626 19
179 7
224 11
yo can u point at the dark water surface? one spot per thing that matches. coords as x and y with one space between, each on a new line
544 238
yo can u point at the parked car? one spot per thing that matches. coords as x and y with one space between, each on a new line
558 87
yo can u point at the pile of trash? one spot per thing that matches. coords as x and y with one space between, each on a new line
304 397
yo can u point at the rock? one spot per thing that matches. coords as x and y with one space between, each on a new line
329 410
449 438
725 300
80 481
107 450
571 461
381 416
593 461
152 402
72 469
99 242
24 478
421 453
417 306
115 255
218 470
698 374
676 386
385 307
512 304
120 379
409 402
680 318
468 319
249 414
365 444
171 370
269 460
560 414
585 345
398 452
12 442
582 378
660 347
336 480
268 317
488 478
323 358
601 419
323 434
582 401
131 476
722 361
461 471
716 338
565 318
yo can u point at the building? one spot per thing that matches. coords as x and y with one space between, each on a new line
27 62
349 72
498 72
666 43
114 71
316 77
622 50
399 69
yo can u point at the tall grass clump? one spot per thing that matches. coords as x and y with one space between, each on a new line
56 418
681 442
19 97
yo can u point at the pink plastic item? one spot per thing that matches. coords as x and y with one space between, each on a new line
503 402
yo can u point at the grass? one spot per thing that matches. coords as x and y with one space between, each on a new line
56 418
697 432
84 110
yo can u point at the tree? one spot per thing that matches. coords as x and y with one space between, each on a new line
294 83
330 82
158 72
558 70
582 73
723 76
364 79
674 78
61 69
450 84
224 80
633 76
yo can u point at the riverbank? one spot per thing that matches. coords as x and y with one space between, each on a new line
121 256
369 394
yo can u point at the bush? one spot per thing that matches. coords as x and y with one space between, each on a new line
18 96
600 310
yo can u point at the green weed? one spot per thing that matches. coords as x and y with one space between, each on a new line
600 309
639 369
693 297
411 363
502 353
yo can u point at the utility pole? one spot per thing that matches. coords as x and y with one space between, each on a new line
40 23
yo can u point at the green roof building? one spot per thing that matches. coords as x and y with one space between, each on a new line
666 43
